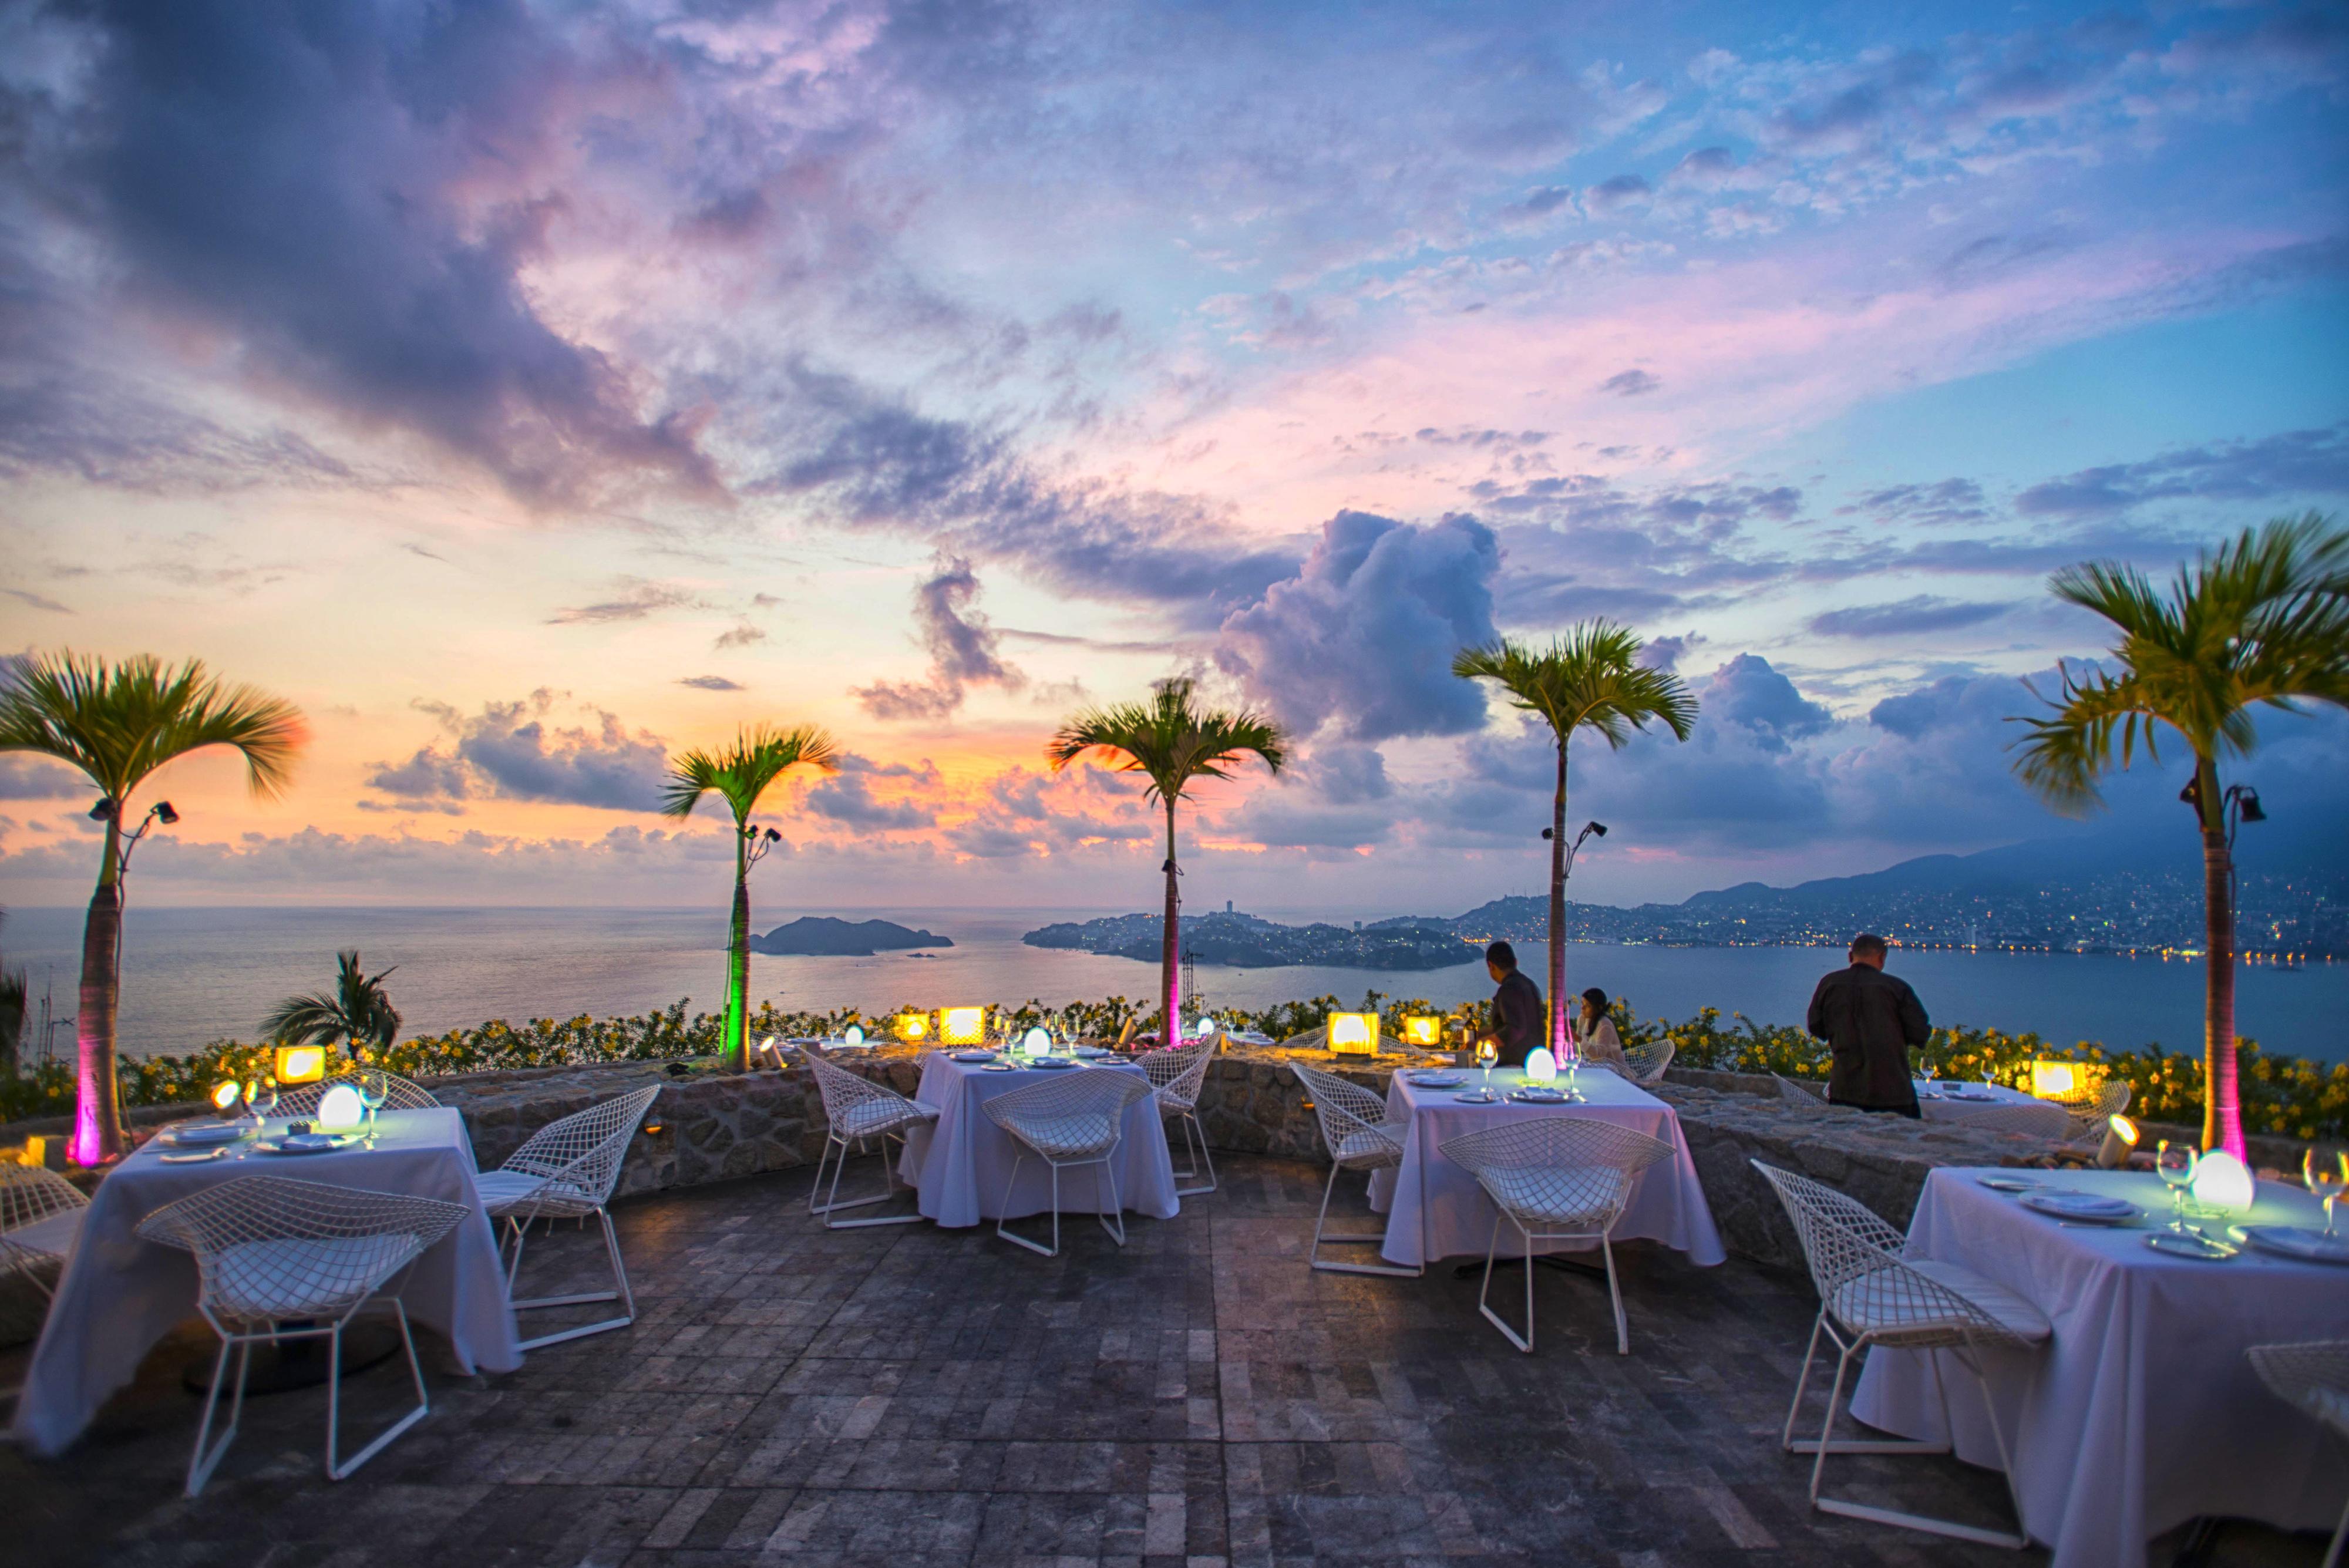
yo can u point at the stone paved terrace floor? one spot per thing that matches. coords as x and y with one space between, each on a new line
916 1398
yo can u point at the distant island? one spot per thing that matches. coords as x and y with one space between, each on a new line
1245 941
821 934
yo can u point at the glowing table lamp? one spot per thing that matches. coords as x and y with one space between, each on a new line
1541 1067
1354 1033
340 1110
1037 1042
912 1027
962 1025
2223 1182
226 1095
1422 1029
2120 1137
853 1035
1204 1029
301 1064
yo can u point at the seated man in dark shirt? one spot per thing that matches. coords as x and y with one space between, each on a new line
1518 1022
1869 1020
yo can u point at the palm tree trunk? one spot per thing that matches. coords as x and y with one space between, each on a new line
1558 1014
2223 1116
738 963
1170 977
98 1109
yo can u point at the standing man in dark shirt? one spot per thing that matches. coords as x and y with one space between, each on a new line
1518 1022
1869 1019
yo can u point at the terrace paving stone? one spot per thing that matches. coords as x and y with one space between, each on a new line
918 1398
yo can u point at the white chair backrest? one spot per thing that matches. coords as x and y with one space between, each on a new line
844 1091
1645 1065
585 1150
1801 1095
1178 1071
32 1193
2042 1120
1562 1160
1856 1263
399 1094
228 1228
2313 1375
1343 1108
2088 1119
1071 1092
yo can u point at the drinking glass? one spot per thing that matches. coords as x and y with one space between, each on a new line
2176 1162
373 1091
261 1097
2328 1178
1488 1051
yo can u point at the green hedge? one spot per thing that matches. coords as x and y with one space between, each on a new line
2281 1095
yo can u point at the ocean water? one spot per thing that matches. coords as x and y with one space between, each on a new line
190 976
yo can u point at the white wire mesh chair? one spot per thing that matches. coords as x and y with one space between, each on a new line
278 1259
1644 1065
1176 1074
2039 1120
2089 1119
41 1219
567 1171
857 1109
2315 1377
1355 1129
399 1094
1869 1294
1556 1179
1796 1093
1069 1119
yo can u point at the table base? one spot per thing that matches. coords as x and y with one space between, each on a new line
297 1363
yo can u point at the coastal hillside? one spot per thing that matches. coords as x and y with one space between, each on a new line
821 934
1245 941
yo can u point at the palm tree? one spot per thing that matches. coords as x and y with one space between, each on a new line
117 723
1173 741
2262 620
1587 680
357 1012
11 1014
740 774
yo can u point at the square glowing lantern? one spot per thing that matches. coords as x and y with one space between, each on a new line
1422 1030
340 1110
912 1027
1354 1033
2066 1080
962 1025
301 1064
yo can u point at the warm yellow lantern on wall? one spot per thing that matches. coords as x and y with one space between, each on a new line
2066 1080
301 1064
1354 1033
226 1095
912 1027
962 1025
1422 1029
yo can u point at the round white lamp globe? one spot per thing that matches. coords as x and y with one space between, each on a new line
340 1110
1037 1042
1541 1067
2223 1182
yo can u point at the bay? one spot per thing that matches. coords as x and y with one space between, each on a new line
193 975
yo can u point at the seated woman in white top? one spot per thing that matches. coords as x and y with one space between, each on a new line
1595 1033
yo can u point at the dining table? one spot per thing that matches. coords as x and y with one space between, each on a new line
120 1295
2141 1412
1435 1209
1954 1100
962 1165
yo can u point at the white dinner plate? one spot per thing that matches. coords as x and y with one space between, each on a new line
2310 1246
1093 1053
974 1055
1970 1096
1433 1080
2084 1207
306 1143
1539 1096
197 1157
2008 1183
1049 1063
1476 1097
199 1135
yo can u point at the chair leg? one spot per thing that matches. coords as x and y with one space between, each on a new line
1810 1353
1492 1244
203 1462
337 1471
1114 1221
2333 1553
1003 1220
1917 1521
1614 1289
832 1201
1195 1159
620 1292
1321 1239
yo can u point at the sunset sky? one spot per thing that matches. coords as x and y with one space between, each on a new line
527 391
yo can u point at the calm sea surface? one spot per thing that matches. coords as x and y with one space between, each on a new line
195 975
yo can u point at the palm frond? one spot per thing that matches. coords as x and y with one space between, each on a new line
1589 678
358 1010
739 774
119 723
1169 739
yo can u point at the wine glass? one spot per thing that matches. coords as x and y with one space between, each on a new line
373 1091
2327 1176
2176 1162
1488 1051
261 1099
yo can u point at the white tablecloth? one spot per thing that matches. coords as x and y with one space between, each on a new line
1936 1109
2141 1413
120 1294
961 1168
1436 1210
